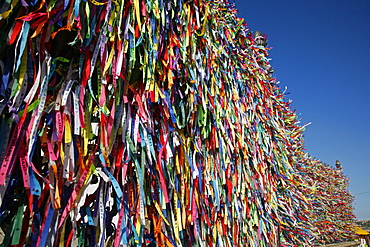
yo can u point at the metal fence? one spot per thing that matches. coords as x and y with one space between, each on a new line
346 244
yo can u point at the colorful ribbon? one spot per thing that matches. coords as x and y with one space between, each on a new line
144 122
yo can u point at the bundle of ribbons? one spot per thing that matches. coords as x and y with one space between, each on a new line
331 204
143 123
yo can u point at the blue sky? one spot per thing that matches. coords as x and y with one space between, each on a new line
321 53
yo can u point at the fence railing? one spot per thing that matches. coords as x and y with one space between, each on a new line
346 244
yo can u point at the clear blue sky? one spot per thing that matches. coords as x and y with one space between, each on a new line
321 52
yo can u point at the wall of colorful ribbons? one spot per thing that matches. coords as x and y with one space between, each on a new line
144 123
331 202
